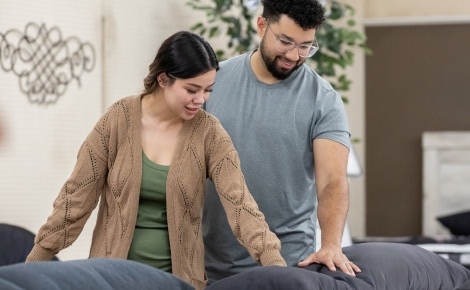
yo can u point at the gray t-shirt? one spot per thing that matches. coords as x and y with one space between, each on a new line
272 128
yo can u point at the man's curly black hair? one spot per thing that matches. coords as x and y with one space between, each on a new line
307 14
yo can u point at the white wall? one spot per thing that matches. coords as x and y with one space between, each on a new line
407 8
40 142
133 31
356 116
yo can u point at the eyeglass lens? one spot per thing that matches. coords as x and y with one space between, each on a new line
286 46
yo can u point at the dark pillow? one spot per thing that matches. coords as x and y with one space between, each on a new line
15 244
458 224
391 266
103 274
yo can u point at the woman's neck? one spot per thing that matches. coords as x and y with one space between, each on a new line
155 107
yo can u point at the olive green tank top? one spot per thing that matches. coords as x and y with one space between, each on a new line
150 244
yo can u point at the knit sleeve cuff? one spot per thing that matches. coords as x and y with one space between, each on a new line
272 258
39 254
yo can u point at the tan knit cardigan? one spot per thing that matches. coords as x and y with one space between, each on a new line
109 169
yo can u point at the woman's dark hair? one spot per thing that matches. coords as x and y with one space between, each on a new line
307 14
183 55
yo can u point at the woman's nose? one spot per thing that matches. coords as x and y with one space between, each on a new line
199 99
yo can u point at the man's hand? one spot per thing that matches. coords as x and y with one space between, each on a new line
331 257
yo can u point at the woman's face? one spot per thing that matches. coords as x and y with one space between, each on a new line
185 96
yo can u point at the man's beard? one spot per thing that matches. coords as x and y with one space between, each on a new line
277 72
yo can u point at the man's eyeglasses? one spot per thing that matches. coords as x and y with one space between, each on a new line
285 46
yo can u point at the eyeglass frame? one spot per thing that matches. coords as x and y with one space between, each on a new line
313 48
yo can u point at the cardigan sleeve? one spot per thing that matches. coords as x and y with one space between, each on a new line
246 220
78 196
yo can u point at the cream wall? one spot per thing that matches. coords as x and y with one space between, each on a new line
355 110
415 8
40 143
133 31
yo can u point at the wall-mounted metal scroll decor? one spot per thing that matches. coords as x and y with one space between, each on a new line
44 61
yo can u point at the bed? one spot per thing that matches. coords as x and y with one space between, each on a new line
391 266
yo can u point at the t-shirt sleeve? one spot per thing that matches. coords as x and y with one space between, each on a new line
330 120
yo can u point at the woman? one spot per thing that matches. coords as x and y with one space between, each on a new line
147 159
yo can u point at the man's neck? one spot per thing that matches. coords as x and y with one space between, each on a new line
260 70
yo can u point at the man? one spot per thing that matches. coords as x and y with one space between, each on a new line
290 130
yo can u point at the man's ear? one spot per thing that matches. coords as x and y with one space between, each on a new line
261 26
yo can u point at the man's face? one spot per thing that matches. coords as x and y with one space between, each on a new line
282 64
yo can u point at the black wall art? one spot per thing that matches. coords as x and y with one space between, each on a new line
44 61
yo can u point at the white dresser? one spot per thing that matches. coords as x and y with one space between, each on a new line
446 177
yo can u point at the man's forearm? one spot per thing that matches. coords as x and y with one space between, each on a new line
333 205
